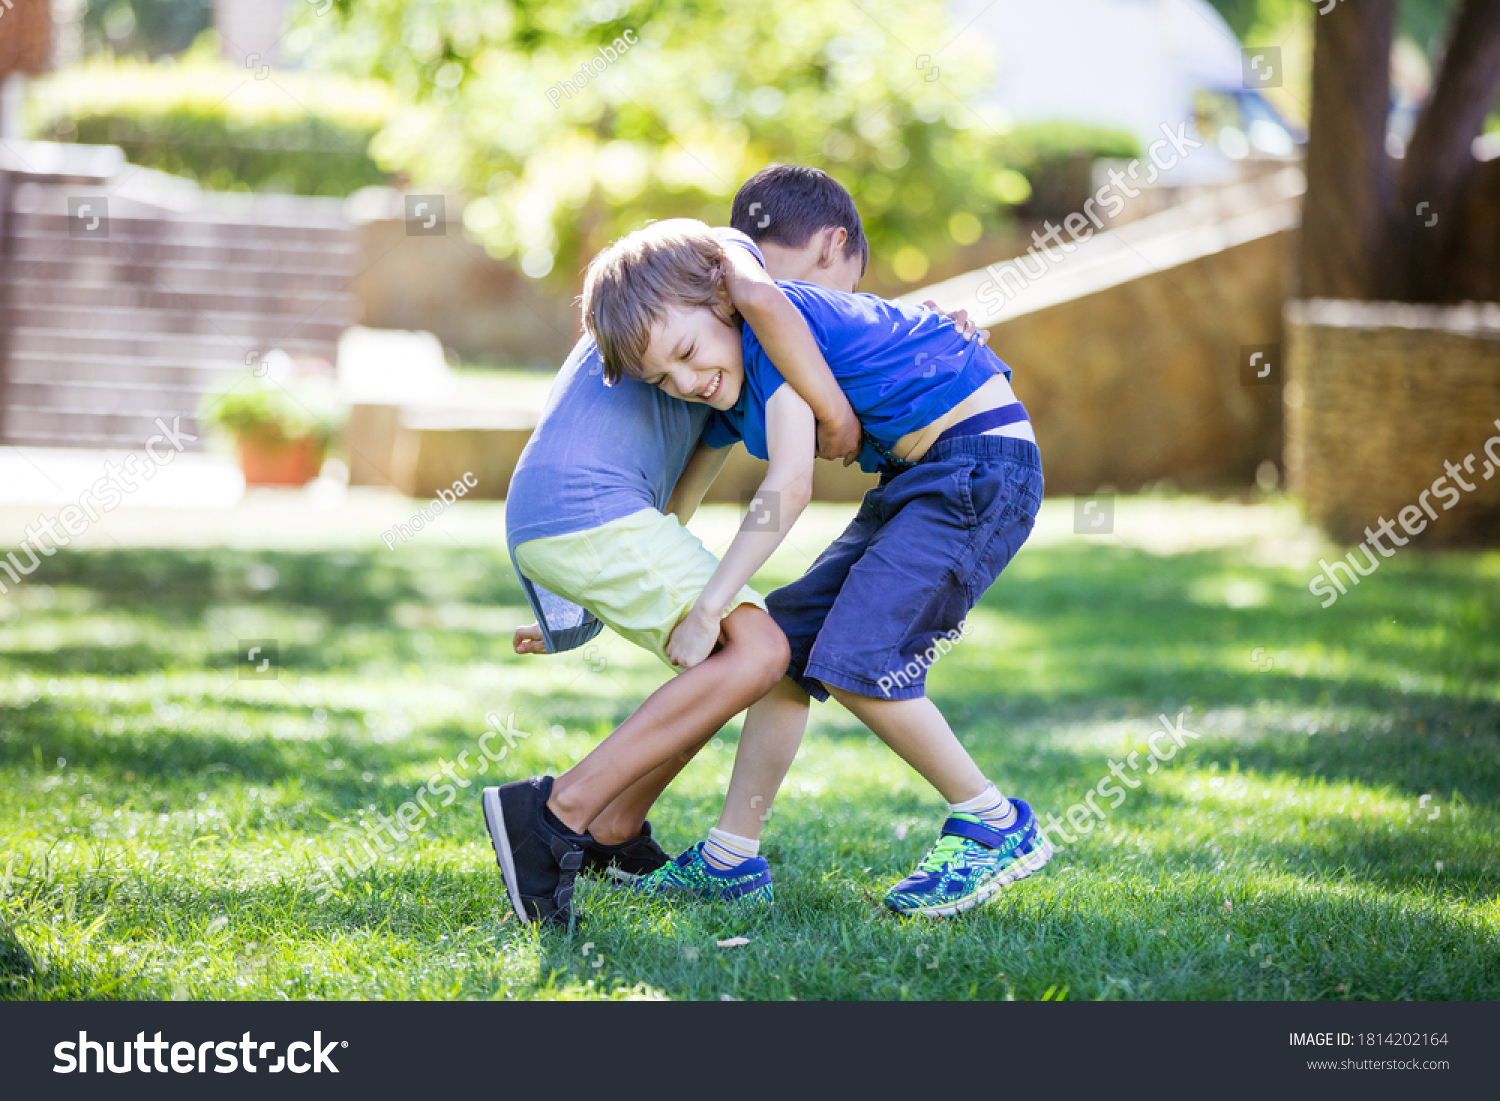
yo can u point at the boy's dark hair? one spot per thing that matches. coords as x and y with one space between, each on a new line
785 204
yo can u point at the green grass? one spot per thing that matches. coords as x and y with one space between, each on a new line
162 819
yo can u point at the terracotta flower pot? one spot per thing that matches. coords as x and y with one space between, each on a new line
280 462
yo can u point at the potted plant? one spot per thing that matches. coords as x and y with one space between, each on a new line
281 432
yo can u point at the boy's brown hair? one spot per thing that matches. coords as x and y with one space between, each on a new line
630 285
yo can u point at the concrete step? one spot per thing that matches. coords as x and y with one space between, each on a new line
178 230
290 255
148 349
144 194
257 331
127 270
135 399
173 295
116 371
80 367
31 426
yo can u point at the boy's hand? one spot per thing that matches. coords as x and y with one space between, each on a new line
840 439
961 320
693 639
528 640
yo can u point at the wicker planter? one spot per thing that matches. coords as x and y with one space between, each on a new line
280 463
1379 397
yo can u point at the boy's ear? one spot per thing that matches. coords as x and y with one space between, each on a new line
831 243
726 311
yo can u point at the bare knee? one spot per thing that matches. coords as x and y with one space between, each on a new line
758 645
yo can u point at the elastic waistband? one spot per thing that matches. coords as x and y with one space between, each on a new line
1001 448
980 423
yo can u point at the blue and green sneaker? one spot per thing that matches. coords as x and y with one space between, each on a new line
691 874
969 863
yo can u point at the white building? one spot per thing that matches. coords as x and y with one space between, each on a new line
1128 64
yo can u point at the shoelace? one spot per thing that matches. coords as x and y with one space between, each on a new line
947 847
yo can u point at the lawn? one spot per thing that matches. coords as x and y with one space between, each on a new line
1332 832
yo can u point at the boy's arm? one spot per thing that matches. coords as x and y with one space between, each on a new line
783 495
697 476
789 344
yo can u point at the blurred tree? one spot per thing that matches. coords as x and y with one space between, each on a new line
1376 227
570 123
1245 16
144 28
1423 20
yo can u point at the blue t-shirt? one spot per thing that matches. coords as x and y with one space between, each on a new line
901 367
599 453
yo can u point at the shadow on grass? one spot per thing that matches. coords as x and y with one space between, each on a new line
1289 940
349 585
43 732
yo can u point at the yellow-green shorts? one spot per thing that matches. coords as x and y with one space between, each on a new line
638 575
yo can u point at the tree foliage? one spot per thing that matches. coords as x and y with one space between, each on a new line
149 28
1422 20
884 94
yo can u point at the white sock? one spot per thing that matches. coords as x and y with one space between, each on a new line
990 807
727 851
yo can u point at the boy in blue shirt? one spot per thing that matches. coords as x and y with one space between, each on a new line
961 484
595 520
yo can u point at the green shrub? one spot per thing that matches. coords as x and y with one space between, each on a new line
218 124
1057 160
150 28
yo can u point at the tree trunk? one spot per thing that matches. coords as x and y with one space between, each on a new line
1440 169
1347 214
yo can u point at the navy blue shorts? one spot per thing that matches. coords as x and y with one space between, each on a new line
891 593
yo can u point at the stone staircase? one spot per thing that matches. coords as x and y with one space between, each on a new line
109 325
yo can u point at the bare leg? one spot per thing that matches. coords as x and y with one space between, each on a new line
679 716
922 738
773 731
623 818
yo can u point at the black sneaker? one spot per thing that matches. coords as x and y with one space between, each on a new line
538 863
627 861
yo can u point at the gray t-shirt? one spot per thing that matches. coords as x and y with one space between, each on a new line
598 454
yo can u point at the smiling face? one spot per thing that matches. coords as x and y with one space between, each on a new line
694 356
